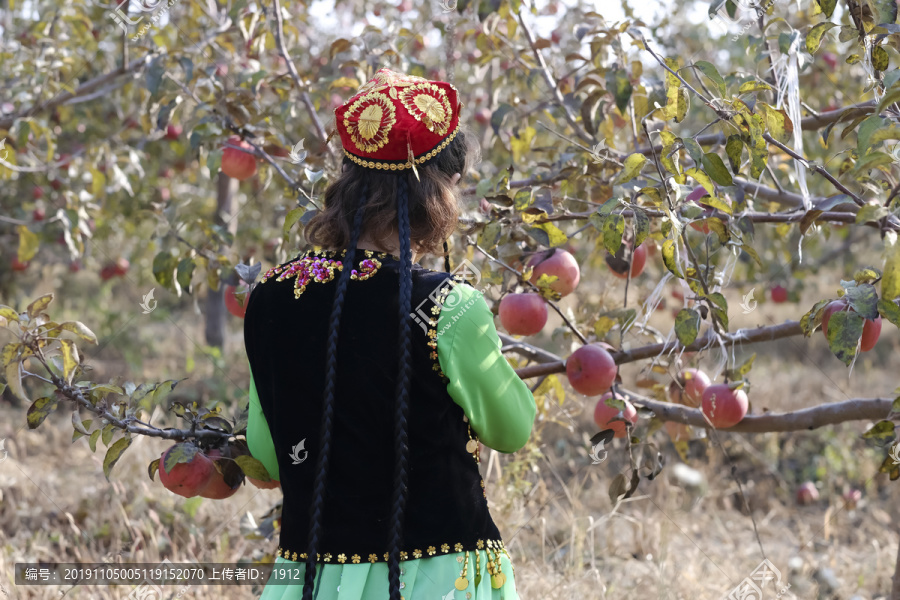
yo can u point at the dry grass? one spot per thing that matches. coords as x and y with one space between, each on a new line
566 537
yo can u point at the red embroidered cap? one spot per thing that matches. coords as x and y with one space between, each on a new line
397 121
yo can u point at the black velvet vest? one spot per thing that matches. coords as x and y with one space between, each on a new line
285 331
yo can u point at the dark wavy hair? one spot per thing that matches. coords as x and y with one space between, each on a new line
433 200
425 211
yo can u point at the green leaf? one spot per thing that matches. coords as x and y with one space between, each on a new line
164 265
551 233
844 330
867 275
716 169
28 244
753 86
814 37
827 6
880 58
633 165
890 282
687 325
710 71
291 219
641 226
882 433
497 117
489 235
39 411
866 130
613 229
107 435
694 150
703 179
92 441
39 305
252 468
670 258
733 148
619 84
864 300
889 311
115 453
183 452
184 273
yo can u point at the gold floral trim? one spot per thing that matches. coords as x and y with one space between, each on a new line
438 296
428 103
385 166
492 545
320 267
374 122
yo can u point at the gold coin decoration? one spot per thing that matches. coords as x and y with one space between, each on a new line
471 446
498 580
462 583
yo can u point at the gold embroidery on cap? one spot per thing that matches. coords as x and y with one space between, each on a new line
369 120
428 103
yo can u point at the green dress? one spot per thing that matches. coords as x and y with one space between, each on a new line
501 411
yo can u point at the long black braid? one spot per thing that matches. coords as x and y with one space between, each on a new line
337 307
401 406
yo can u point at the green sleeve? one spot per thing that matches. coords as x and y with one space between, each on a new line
498 404
259 438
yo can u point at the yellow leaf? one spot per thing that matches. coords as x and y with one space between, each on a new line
521 144
890 282
633 166
14 380
28 243
39 305
70 358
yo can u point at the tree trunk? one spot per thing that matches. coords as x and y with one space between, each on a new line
215 303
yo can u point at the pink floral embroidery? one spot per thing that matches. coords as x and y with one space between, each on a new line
320 268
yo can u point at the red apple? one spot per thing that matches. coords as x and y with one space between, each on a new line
56 184
523 314
64 160
173 132
186 479
559 263
17 265
591 370
605 416
120 267
807 493
232 303
638 260
217 488
236 163
221 70
871 331
688 387
723 406
165 172
779 294
830 59
37 192
74 266
265 485
108 272
483 116
38 214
